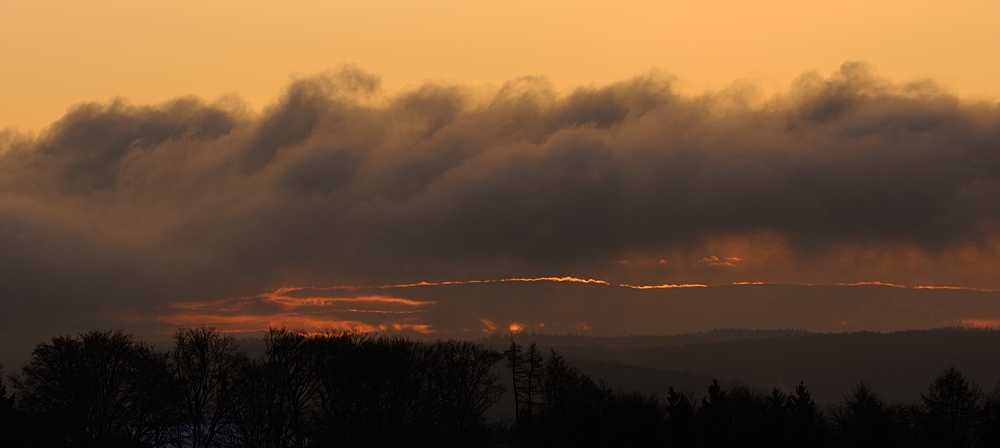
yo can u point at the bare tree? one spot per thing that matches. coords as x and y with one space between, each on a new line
275 394
371 389
154 406
6 403
335 386
206 362
527 371
97 389
463 386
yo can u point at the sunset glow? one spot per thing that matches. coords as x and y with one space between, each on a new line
417 316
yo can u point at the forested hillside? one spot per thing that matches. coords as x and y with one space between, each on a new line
108 389
899 365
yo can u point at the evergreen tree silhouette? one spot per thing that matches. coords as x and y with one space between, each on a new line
680 410
7 437
639 420
715 418
952 410
865 420
988 429
574 410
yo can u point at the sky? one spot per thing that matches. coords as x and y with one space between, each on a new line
459 168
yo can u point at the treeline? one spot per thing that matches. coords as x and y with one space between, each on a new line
559 406
107 389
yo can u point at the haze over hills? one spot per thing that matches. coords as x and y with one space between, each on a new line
898 365
831 339
471 310
575 340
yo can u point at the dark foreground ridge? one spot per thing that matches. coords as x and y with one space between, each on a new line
107 389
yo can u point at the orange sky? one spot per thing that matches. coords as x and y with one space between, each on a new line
54 54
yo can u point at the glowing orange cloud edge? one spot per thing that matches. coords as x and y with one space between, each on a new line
217 312
322 301
591 281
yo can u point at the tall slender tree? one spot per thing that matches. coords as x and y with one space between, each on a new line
518 375
527 371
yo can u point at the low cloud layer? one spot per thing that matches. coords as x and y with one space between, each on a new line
840 179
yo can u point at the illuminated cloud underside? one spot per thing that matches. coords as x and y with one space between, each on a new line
380 313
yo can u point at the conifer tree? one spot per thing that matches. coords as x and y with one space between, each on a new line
952 410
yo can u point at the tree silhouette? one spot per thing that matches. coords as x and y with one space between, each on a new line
715 417
865 420
106 389
807 424
747 417
372 391
518 373
398 370
155 411
6 403
527 369
463 386
96 390
338 381
988 430
206 363
564 392
288 365
273 395
639 420
534 372
680 419
7 416
952 410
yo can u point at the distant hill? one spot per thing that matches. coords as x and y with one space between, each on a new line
714 335
899 366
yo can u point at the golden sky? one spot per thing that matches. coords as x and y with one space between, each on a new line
54 54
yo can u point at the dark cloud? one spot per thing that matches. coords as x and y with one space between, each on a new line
337 182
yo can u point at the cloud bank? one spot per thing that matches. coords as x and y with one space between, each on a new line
845 178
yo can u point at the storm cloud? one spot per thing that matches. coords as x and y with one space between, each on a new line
338 182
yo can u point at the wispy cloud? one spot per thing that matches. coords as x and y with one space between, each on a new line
729 262
295 302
